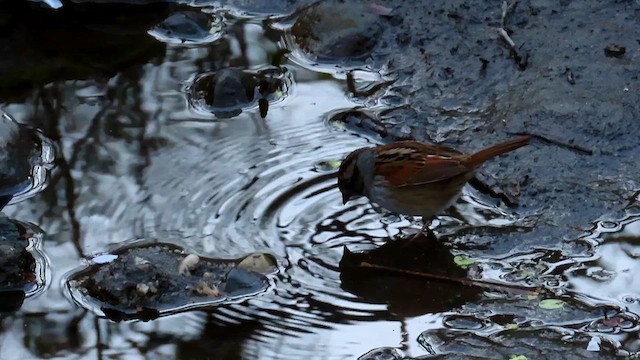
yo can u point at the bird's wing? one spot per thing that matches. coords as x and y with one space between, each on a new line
412 163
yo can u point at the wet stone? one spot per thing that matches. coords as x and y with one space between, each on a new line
253 8
385 353
227 92
615 322
149 280
547 310
25 157
527 344
338 30
262 263
367 125
464 322
188 27
528 272
21 264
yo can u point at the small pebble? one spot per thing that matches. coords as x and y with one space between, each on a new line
261 263
141 263
142 288
188 263
208 276
208 290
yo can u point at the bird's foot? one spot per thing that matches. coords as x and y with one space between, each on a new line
425 230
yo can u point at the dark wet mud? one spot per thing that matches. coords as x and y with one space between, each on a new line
149 150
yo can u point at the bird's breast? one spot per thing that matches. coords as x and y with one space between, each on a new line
425 200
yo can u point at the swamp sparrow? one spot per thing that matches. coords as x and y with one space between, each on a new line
413 178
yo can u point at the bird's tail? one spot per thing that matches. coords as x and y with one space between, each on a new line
498 149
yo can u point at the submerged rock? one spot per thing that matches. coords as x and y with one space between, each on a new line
188 27
366 124
25 159
22 264
338 30
148 280
227 92
514 344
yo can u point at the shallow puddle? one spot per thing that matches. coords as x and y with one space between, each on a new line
226 142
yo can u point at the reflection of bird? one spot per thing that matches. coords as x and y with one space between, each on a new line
412 178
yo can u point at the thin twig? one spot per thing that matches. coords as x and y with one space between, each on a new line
522 60
573 147
507 39
506 9
520 290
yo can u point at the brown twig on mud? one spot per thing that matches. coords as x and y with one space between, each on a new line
489 285
574 147
522 60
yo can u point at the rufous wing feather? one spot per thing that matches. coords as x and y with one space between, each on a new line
396 174
436 168
421 171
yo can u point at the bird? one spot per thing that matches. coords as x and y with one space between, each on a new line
414 178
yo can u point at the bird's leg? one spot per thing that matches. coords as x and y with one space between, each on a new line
424 229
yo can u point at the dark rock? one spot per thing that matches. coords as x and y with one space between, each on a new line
338 30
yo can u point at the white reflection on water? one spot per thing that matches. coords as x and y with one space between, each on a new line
613 276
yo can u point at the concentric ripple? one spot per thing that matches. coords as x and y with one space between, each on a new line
270 185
